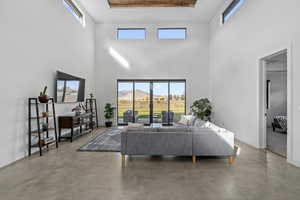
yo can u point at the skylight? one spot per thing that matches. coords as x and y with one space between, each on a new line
72 7
172 33
231 9
131 33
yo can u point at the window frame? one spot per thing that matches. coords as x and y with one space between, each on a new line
151 82
76 11
185 29
229 9
144 29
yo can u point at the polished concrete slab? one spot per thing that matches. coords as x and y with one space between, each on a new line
66 174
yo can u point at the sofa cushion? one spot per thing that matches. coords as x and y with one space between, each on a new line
135 125
213 127
174 129
140 129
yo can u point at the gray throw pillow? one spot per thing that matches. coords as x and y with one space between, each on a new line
199 123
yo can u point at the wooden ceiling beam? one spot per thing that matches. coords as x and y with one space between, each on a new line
151 3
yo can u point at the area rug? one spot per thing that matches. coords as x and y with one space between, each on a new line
108 141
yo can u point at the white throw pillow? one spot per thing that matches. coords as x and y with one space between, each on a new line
187 120
135 125
199 123
183 120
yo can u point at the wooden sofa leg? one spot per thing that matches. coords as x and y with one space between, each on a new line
231 159
194 159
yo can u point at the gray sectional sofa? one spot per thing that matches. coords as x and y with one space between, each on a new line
207 140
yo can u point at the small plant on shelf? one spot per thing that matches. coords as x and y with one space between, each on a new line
108 114
44 98
44 126
202 109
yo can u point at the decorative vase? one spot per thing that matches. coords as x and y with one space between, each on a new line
45 127
43 99
45 114
108 124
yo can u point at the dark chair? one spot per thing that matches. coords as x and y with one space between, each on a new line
128 116
165 115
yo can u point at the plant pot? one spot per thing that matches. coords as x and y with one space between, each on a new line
108 124
43 99
45 114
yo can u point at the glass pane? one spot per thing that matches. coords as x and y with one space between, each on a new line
177 100
172 33
74 11
142 102
233 7
71 91
160 102
125 102
60 91
131 34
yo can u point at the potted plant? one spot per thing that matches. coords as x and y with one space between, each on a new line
44 126
44 98
77 110
202 109
108 114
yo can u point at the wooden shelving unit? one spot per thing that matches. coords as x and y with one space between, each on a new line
91 106
34 116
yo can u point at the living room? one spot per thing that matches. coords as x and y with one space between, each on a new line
220 56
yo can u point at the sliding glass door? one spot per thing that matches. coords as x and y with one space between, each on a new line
150 101
142 102
125 102
177 99
160 102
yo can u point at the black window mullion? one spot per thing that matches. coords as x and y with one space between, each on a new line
133 99
169 102
151 102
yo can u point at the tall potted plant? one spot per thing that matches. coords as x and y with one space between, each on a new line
108 114
202 109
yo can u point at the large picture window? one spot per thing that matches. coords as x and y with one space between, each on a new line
151 101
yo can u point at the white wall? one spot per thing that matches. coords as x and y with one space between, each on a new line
37 38
152 59
258 29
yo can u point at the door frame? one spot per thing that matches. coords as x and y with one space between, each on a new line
262 100
151 81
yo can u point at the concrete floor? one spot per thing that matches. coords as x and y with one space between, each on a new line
277 142
65 174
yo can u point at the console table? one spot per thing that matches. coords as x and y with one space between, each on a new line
71 122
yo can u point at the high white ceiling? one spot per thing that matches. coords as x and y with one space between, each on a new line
102 13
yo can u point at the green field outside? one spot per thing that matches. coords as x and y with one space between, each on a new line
177 106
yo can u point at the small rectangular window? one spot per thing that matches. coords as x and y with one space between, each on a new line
72 7
231 9
172 33
139 33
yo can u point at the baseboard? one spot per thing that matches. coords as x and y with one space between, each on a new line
295 163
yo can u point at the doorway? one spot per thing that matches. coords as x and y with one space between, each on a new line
275 92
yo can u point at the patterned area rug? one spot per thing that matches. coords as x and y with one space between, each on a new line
108 141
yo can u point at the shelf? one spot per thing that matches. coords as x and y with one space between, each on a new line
41 117
48 143
36 131
50 102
